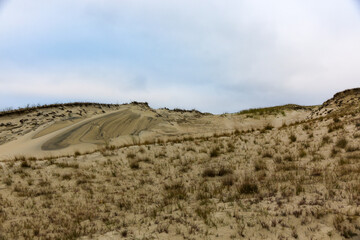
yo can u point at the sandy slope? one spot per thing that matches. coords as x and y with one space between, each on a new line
124 127
31 144
277 173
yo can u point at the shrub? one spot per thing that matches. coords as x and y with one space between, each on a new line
66 176
335 126
175 190
267 155
134 165
316 172
340 224
326 139
8 181
204 212
131 155
67 165
278 159
231 147
224 171
342 142
215 152
292 138
334 151
289 158
260 165
209 173
306 127
302 153
228 181
25 164
20 158
248 187
352 148
268 127
124 233
298 189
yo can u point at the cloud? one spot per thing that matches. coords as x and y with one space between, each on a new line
213 55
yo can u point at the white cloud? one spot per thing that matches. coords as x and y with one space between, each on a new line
232 54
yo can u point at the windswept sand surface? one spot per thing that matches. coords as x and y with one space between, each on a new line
126 124
132 172
102 129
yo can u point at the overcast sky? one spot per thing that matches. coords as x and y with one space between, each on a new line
215 56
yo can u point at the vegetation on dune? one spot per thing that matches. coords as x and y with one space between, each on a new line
298 181
275 110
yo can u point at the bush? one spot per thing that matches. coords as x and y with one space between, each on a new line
292 138
175 190
67 165
316 172
260 165
306 127
8 181
268 127
215 152
228 181
352 148
267 155
131 155
289 158
248 187
209 173
326 139
342 142
25 164
335 126
302 153
134 165
224 171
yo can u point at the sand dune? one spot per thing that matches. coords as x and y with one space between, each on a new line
132 172
102 129
65 134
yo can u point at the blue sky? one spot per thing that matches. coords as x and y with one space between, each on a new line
215 56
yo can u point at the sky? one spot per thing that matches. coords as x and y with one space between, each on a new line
214 56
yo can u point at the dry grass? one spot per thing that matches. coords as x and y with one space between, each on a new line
273 182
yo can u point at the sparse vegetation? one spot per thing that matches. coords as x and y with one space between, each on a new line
248 187
134 164
334 127
326 139
273 110
292 138
215 152
342 142
253 182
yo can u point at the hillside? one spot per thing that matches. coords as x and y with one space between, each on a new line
132 172
64 129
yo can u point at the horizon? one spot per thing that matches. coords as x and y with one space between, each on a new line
29 106
205 55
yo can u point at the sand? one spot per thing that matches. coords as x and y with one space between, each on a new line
132 172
